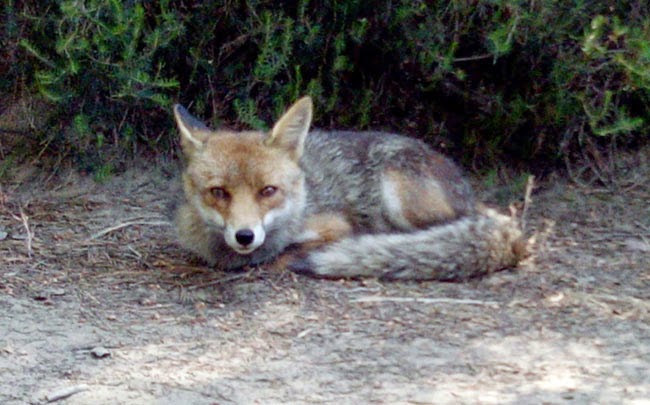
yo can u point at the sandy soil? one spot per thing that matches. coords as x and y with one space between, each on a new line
99 306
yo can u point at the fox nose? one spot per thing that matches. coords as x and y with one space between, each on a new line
245 237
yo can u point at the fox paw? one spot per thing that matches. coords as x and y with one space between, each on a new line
302 266
306 267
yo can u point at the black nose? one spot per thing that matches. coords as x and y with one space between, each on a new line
245 237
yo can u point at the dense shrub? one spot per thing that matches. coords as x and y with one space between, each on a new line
486 80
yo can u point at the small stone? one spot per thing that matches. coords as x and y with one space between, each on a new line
57 292
100 352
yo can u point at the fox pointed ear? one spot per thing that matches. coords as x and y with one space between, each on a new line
193 132
290 131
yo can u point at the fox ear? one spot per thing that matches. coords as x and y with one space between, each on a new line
193 132
291 129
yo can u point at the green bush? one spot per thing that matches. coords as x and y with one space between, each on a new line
532 82
102 63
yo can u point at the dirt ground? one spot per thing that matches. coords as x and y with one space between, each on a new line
99 306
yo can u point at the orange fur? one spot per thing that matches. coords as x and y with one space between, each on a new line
329 227
420 200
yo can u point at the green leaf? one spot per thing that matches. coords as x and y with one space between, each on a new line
623 125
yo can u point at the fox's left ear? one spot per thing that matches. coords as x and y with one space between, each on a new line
290 131
193 132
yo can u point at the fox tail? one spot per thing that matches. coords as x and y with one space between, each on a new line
469 247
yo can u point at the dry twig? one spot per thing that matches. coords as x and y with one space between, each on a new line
29 237
530 185
65 393
124 225
378 299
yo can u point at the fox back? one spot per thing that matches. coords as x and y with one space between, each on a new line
382 182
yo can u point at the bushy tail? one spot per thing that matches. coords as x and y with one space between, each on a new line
469 247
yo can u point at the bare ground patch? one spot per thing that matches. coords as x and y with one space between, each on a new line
98 268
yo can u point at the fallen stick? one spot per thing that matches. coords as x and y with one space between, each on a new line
375 298
126 224
24 219
64 393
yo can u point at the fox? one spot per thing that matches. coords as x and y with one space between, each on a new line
348 204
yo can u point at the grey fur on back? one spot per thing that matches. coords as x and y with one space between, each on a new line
343 174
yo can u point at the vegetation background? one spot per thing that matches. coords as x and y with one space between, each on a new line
538 84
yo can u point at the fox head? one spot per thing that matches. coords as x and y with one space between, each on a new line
245 184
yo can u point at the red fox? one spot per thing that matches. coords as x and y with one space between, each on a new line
360 204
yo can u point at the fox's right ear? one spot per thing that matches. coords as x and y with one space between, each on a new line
193 132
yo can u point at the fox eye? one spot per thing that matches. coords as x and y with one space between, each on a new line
219 193
268 191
